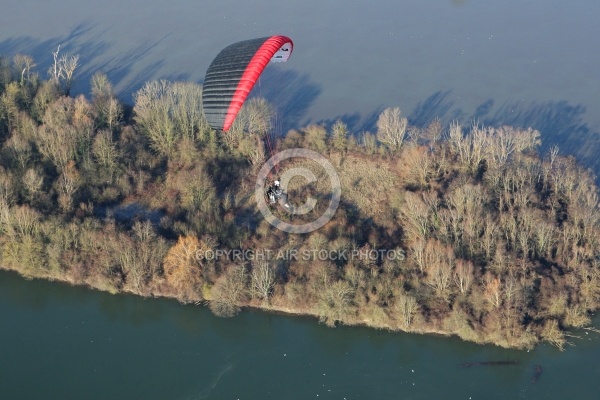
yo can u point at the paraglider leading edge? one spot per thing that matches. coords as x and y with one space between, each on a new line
234 72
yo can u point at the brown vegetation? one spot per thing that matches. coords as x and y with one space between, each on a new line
493 242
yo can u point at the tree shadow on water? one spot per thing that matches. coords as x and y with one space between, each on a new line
119 70
291 92
85 40
559 122
41 50
355 122
439 106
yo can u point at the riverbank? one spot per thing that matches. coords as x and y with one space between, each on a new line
277 309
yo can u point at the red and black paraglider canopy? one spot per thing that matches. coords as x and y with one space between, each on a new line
233 73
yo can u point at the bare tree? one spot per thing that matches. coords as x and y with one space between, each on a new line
55 70
166 111
576 316
185 102
450 227
10 101
150 248
407 307
479 142
131 264
101 87
62 70
229 291
503 144
416 214
334 301
66 132
140 253
391 128
417 248
339 135
69 65
368 142
33 182
263 280
458 143
58 146
553 335
105 151
463 275
22 221
7 191
492 290
256 154
152 114
113 113
544 237
24 65
418 162
468 202
438 265
513 291
470 149
68 183
433 132
315 137
256 116
19 145
108 108
490 236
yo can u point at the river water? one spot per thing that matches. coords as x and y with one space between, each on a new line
63 342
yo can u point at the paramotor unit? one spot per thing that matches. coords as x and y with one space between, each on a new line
275 192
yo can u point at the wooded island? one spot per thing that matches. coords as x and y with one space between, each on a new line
493 241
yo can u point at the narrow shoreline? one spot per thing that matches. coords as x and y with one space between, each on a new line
270 308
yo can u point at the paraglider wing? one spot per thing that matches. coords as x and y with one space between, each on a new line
233 73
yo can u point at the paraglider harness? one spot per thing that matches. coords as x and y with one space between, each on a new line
274 192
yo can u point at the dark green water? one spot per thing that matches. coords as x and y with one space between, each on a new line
62 342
